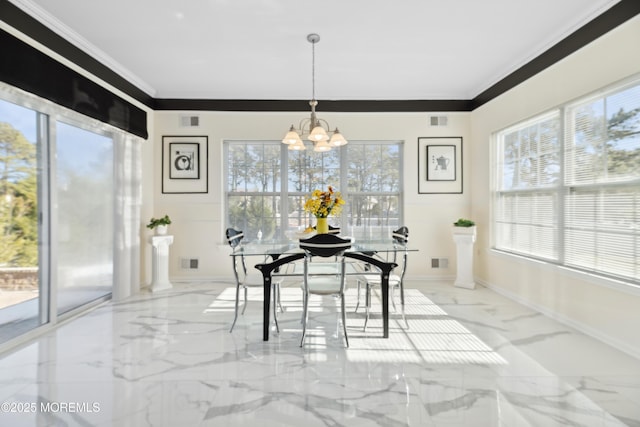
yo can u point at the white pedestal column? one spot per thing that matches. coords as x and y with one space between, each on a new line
160 266
464 238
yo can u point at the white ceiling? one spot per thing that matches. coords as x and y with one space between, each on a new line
369 49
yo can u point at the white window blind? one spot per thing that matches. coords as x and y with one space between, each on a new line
526 206
602 175
573 197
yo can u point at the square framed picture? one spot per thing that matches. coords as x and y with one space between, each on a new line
184 160
440 165
184 164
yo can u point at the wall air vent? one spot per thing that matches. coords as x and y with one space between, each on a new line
438 120
189 263
189 121
439 262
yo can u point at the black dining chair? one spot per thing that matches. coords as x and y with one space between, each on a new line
396 280
245 279
324 278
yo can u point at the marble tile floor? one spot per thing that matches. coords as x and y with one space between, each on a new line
469 358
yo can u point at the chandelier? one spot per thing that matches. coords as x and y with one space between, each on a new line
316 130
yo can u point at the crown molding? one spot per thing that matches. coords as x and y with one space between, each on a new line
80 42
34 22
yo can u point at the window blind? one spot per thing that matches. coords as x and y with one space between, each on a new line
602 175
573 197
526 205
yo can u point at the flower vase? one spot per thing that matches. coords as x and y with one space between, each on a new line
322 226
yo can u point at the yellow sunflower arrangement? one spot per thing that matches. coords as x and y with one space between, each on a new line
324 203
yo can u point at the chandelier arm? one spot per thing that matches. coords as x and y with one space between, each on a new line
324 124
303 125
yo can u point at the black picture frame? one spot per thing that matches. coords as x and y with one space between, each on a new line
184 164
440 167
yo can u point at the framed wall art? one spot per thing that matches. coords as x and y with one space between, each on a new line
184 164
440 165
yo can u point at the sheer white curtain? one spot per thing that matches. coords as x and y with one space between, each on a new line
128 200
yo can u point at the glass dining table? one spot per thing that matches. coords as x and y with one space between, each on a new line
277 254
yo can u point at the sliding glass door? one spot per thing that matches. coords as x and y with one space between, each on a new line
23 293
57 210
84 193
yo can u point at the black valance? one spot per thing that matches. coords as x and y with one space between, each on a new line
25 67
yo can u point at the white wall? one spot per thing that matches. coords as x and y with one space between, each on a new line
198 218
607 310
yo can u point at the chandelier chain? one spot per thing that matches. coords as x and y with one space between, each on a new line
313 70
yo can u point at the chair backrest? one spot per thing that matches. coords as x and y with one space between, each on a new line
325 245
400 238
234 237
401 235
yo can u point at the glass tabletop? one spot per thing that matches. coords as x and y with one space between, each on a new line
280 247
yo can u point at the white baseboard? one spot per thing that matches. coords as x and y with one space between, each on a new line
188 279
585 329
430 279
231 280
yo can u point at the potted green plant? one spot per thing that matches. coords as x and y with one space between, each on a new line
159 224
464 226
464 223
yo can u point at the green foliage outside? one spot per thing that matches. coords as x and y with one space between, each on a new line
253 214
18 199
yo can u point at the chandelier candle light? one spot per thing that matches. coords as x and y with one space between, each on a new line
321 205
316 129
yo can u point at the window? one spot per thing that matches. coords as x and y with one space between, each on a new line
22 288
69 188
267 185
567 186
84 191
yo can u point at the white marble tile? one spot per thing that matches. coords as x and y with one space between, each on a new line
469 358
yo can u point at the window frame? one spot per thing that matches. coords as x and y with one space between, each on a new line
564 187
286 193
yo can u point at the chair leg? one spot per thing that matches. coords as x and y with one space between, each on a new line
235 317
367 305
275 307
344 320
274 292
279 299
402 305
305 304
245 300
393 298
358 298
